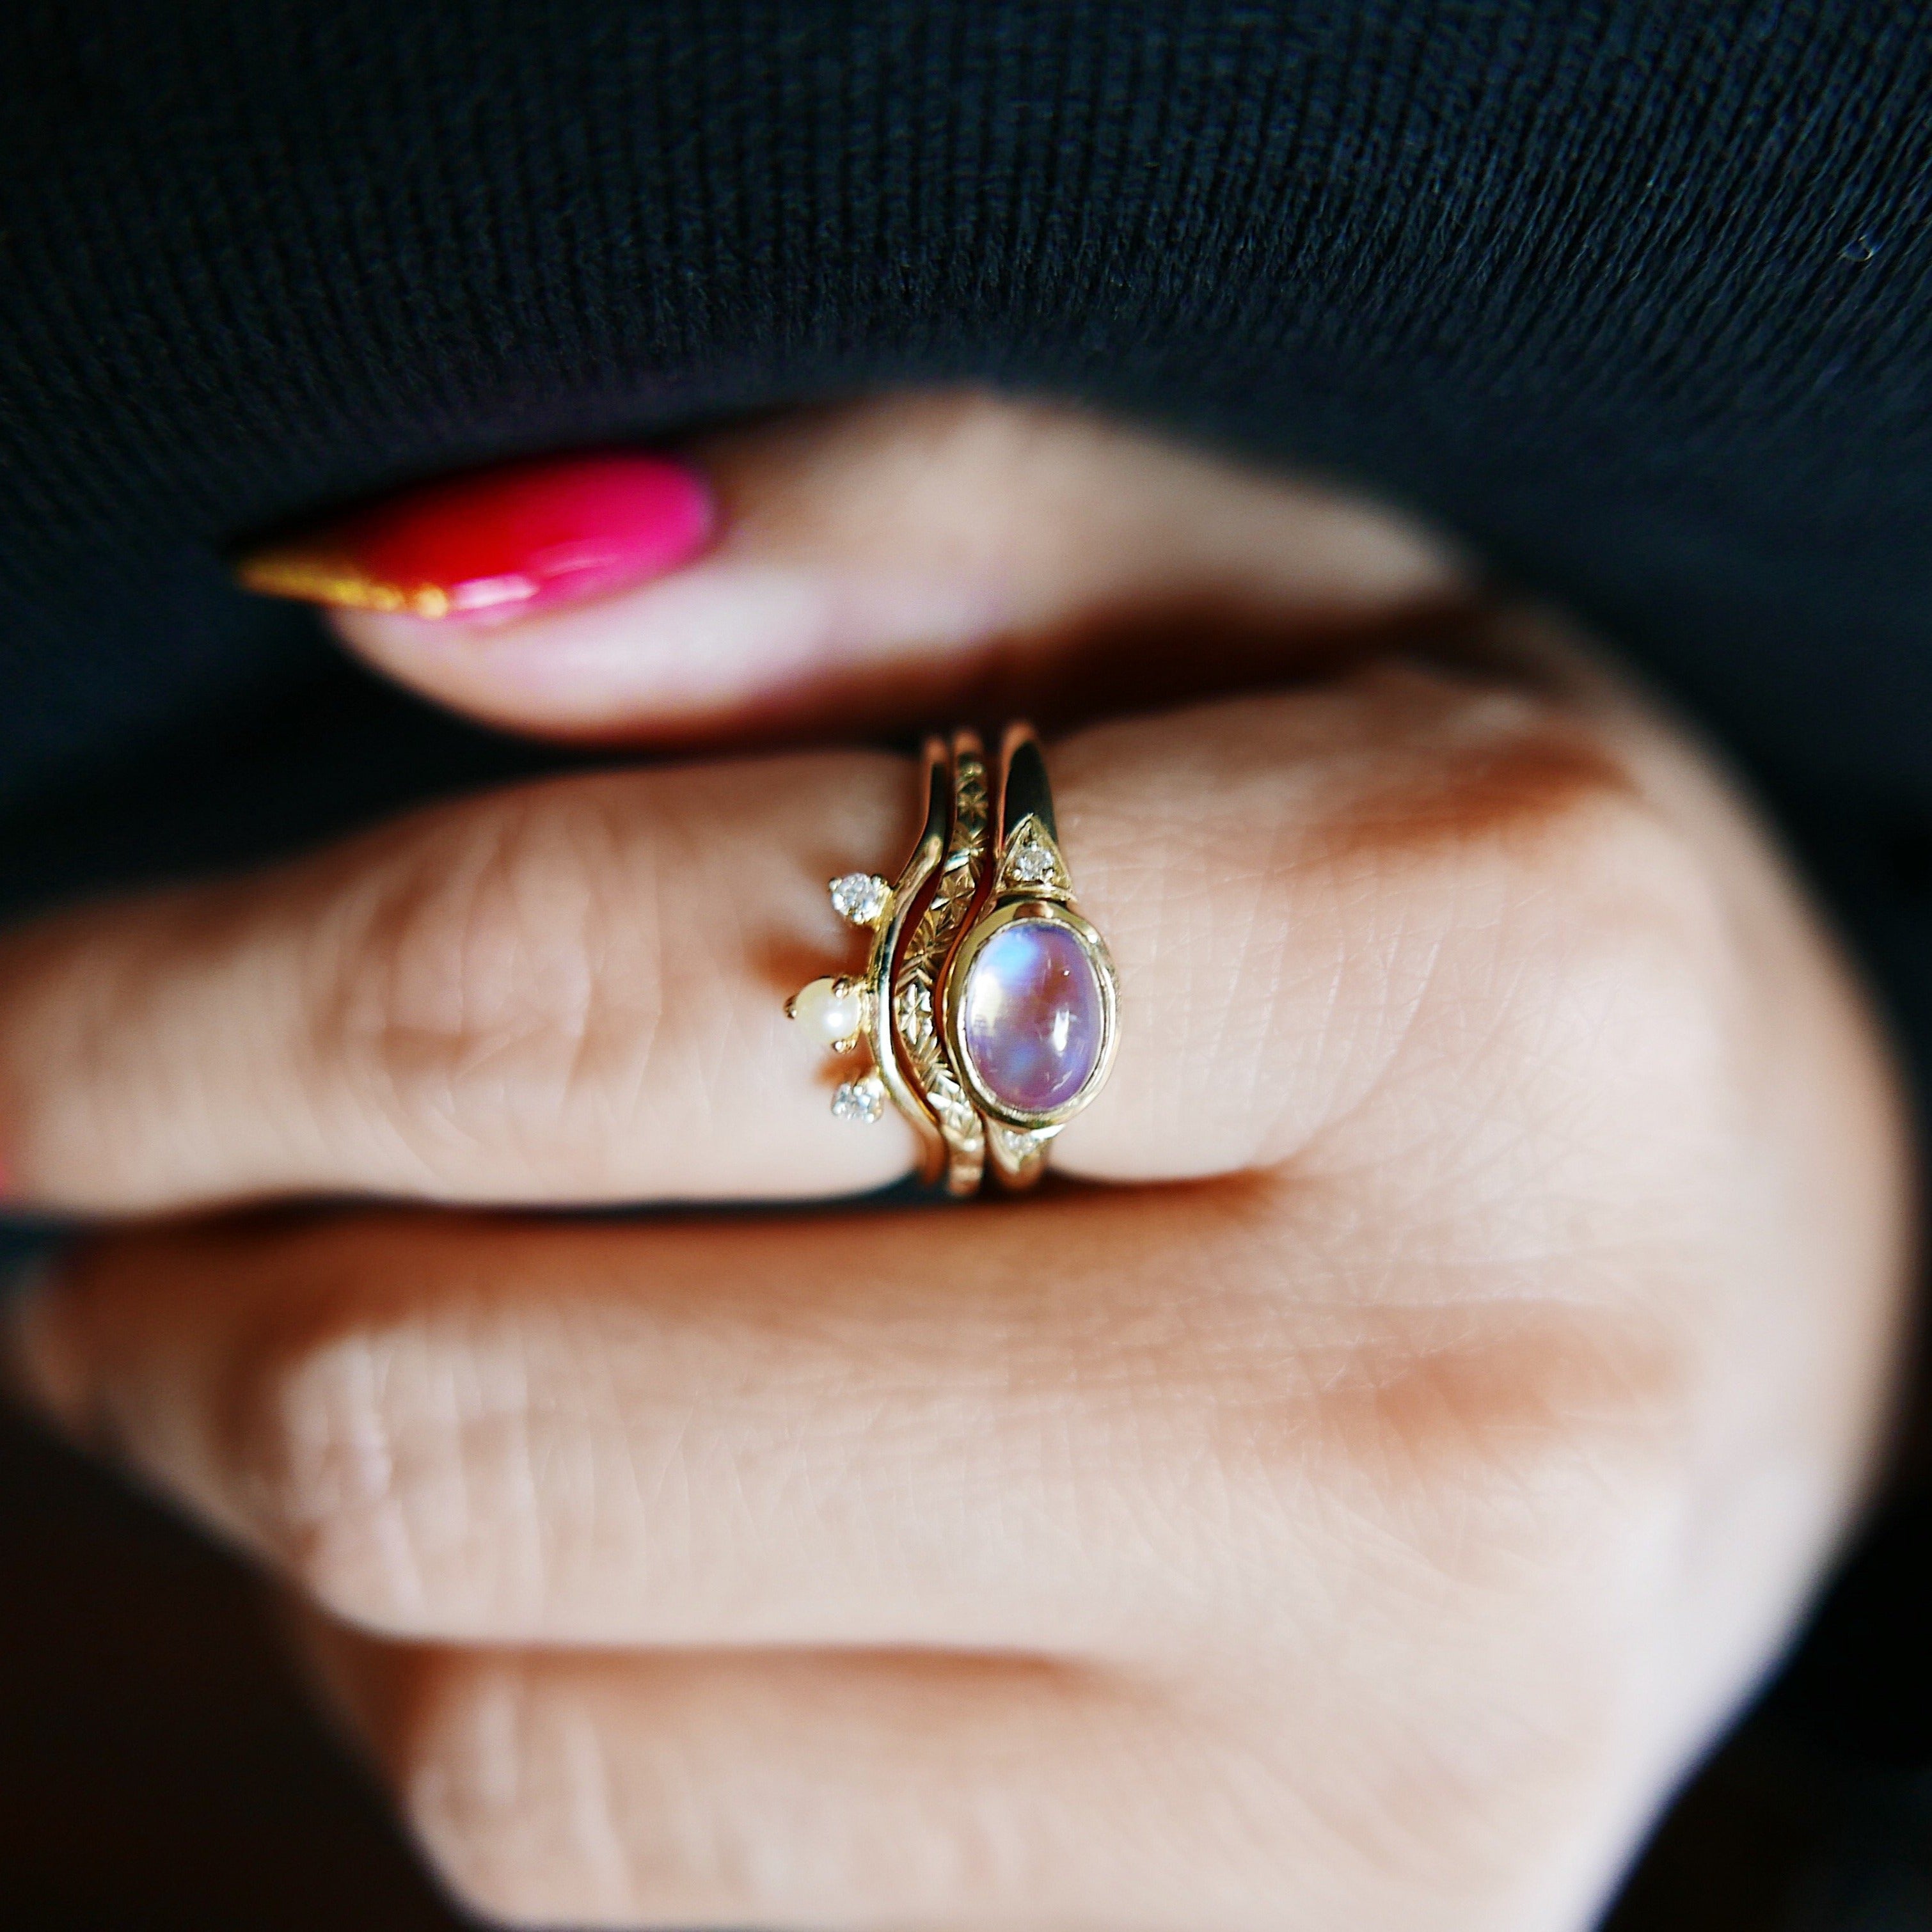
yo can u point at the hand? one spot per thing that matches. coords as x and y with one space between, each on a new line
1350 1502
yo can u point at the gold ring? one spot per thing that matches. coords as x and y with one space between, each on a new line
989 1003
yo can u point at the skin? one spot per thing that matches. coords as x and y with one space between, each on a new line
1349 1497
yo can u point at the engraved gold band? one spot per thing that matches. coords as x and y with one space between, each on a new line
989 1003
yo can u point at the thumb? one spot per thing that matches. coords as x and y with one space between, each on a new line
878 563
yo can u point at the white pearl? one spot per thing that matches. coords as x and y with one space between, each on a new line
828 1009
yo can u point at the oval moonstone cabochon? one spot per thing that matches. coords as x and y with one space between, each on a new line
1033 1016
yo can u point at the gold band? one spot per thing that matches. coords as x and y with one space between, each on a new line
915 1002
886 939
988 1002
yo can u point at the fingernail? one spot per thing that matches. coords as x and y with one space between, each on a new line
38 1363
500 543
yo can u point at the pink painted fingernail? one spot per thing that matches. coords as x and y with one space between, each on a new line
501 543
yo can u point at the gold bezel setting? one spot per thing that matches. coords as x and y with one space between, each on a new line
1041 911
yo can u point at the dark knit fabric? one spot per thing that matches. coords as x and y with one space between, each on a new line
1635 297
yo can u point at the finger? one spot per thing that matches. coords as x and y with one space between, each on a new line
1001 1431
573 992
1577 1088
569 992
869 1790
912 557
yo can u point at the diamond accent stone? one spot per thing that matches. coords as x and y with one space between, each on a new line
1032 865
860 898
863 1100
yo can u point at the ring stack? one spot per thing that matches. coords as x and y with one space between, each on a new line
988 1002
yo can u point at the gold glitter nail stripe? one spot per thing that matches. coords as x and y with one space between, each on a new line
316 579
915 985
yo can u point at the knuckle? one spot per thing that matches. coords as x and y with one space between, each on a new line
545 1794
1563 991
1525 1416
503 967
1524 1481
1519 1440
473 1798
1627 922
1549 1448
521 1780
1608 924
358 1470
1414 884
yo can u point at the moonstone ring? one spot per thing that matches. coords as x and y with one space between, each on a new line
988 1002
